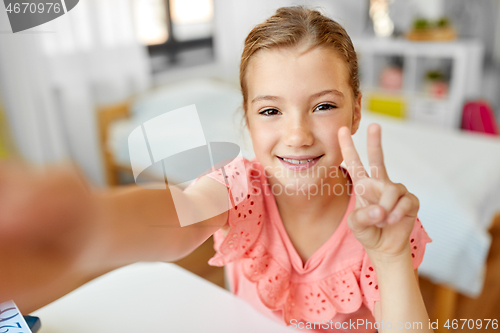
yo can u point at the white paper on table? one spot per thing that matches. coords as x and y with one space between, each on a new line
11 318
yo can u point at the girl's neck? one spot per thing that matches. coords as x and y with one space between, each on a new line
309 208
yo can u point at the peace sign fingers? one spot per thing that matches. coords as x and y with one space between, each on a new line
375 154
350 155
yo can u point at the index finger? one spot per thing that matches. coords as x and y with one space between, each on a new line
350 154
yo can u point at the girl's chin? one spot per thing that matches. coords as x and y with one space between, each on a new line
309 187
298 182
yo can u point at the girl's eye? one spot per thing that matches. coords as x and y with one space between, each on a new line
325 107
270 112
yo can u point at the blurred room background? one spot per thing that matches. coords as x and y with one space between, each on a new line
54 77
75 87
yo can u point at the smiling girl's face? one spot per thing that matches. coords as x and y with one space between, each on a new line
297 101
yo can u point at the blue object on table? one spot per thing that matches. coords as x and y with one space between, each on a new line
34 323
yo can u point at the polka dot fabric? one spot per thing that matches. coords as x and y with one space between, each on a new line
245 217
273 282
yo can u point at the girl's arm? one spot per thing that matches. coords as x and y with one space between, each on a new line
382 221
377 303
142 225
402 306
56 233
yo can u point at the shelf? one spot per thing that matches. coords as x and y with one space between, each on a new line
432 80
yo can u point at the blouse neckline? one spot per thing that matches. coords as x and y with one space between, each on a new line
315 259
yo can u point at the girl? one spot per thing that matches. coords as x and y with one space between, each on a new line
302 247
306 241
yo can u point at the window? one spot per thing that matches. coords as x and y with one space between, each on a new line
178 33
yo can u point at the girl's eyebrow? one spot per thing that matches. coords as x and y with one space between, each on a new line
316 95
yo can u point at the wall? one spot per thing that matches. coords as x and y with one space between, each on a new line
235 18
54 76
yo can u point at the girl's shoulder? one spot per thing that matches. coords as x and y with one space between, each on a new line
242 177
245 182
236 170
218 205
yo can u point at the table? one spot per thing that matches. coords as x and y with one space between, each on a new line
152 297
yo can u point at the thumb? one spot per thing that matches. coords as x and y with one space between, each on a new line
365 217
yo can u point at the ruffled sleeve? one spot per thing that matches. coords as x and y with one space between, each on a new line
368 280
418 240
245 214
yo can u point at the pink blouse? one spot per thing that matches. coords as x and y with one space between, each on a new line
333 291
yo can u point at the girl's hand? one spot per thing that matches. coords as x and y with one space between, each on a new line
47 219
385 212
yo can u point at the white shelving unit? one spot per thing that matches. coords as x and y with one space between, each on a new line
463 61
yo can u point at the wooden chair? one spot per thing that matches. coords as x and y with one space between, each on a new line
105 116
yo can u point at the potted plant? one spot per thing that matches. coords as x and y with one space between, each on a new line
425 30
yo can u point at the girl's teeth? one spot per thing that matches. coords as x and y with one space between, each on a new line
298 161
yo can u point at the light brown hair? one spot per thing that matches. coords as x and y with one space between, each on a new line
289 27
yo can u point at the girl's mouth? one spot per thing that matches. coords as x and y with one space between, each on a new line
299 163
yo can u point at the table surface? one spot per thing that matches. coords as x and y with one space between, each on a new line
152 297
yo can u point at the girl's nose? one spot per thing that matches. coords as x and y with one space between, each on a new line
298 133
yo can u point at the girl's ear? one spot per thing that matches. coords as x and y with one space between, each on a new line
356 116
245 119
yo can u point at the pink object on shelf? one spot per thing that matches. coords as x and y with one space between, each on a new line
478 116
438 89
392 78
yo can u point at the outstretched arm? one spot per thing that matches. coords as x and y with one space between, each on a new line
56 233
142 225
